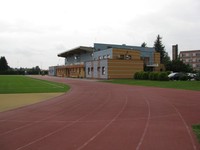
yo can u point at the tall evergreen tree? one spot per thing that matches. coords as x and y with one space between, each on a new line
144 44
159 47
3 64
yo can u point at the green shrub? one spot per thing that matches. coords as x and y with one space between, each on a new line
145 75
155 76
136 75
183 77
151 76
197 76
163 76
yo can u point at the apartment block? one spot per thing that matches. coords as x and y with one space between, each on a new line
191 57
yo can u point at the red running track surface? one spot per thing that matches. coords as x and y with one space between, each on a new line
102 116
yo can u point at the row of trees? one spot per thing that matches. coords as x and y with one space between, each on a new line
5 69
170 65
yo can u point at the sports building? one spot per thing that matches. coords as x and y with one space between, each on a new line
106 61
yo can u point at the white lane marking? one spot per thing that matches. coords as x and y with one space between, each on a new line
105 127
146 126
66 126
186 126
46 82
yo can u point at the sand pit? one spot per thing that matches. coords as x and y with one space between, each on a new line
11 101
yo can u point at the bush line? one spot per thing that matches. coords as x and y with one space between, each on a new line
157 76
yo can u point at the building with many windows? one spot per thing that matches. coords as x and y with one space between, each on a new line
107 61
192 58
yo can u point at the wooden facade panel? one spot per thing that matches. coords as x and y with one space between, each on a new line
74 71
135 54
157 58
123 68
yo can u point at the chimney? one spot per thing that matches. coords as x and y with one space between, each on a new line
175 52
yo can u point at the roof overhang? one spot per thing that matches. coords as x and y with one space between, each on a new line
77 50
152 65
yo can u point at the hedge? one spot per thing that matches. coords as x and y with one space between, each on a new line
161 76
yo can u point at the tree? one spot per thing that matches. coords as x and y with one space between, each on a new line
161 49
3 64
178 66
144 44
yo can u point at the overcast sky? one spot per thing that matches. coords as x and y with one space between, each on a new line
33 32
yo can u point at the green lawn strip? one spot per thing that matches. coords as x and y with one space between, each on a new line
24 84
196 129
187 85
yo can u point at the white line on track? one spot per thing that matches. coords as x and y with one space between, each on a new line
184 123
39 121
66 126
46 82
186 126
105 127
35 122
146 126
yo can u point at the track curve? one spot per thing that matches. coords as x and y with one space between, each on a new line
102 116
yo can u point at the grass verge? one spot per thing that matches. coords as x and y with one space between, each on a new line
196 129
24 84
187 85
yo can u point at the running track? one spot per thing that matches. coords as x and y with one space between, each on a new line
102 116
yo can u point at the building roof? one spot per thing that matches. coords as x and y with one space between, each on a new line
101 46
189 51
77 50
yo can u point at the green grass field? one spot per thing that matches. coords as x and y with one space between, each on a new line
196 129
25 84
187 85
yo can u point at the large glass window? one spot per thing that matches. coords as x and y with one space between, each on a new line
98 69
103 70
88 71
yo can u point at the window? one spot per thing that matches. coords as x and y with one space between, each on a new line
100 57
98 69
92 69
194 54
183 55
121 56
88 71
108 56
103 71
198 65
104 56
128 57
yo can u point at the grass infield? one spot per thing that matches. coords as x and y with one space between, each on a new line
25 84
187 85
196 129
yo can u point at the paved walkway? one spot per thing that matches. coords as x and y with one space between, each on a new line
102 116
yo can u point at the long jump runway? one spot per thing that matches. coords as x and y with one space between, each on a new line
102 116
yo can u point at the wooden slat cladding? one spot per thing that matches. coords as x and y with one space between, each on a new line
135 54
157 58
123 68
74 71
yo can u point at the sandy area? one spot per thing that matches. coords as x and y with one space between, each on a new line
11 101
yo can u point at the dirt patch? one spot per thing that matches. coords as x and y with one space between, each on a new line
11 101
